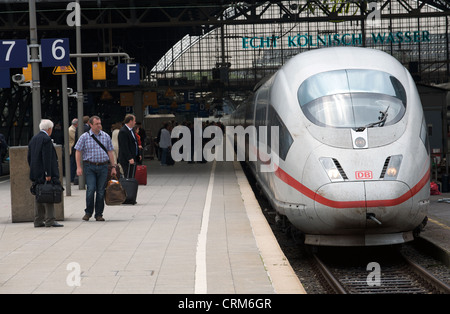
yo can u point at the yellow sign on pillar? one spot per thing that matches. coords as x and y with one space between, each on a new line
27 73
99 70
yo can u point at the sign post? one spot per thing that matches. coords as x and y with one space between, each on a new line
77 10
34 59
66 134
64 71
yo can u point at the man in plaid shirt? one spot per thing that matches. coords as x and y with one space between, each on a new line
95 161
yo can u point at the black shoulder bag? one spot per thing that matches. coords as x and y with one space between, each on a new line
109 166
99 143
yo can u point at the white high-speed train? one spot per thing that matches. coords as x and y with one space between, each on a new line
353 163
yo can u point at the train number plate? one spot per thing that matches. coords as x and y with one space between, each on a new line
363 175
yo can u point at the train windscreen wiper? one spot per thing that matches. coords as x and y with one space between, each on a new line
381 121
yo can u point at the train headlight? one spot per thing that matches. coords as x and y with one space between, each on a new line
334 174
360 142
391 172
393 167
331 169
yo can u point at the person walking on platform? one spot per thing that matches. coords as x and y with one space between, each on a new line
165 143
128 146
96 151
115 128
43 163
73 164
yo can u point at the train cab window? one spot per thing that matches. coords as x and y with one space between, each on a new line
352 99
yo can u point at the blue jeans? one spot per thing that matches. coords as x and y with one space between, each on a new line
96 183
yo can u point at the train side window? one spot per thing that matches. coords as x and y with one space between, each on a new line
424 135
285 139
261 106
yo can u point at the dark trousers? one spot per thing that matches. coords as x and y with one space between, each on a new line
44 213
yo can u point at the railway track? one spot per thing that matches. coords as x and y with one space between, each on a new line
395 275
345 269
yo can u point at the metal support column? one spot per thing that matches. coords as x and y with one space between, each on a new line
35 80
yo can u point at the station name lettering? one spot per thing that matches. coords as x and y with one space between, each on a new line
304 40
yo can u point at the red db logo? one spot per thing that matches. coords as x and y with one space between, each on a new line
363 175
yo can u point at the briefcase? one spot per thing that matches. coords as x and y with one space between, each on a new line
49 192
114 192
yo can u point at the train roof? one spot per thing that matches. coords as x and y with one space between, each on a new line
306 64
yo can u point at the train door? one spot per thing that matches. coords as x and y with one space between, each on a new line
261 105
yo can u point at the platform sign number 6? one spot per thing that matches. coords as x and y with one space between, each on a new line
55 52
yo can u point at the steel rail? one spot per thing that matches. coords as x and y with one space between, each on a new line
328 276
436 283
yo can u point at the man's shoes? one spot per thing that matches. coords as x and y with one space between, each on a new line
99 218
39 225
55 224
86 217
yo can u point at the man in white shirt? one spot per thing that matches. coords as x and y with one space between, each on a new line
165 143
73 163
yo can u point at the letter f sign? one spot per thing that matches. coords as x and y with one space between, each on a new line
128 74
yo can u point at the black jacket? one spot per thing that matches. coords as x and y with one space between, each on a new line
127 146
42 158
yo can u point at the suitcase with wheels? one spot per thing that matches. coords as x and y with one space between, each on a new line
141 174
130 185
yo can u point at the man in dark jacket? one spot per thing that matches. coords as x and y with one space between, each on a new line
43 163
128 146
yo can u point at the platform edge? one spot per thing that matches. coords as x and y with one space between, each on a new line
283 278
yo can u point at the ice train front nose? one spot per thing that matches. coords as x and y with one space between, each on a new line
365 213
350 206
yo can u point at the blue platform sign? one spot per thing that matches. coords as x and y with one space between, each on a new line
5 79
55 52
128 74
13 53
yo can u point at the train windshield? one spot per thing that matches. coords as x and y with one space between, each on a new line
352 99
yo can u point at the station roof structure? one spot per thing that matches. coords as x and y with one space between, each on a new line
151 30
224 47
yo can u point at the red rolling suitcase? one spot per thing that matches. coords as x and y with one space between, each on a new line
141 174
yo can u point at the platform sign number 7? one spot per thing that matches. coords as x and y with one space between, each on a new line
13 53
